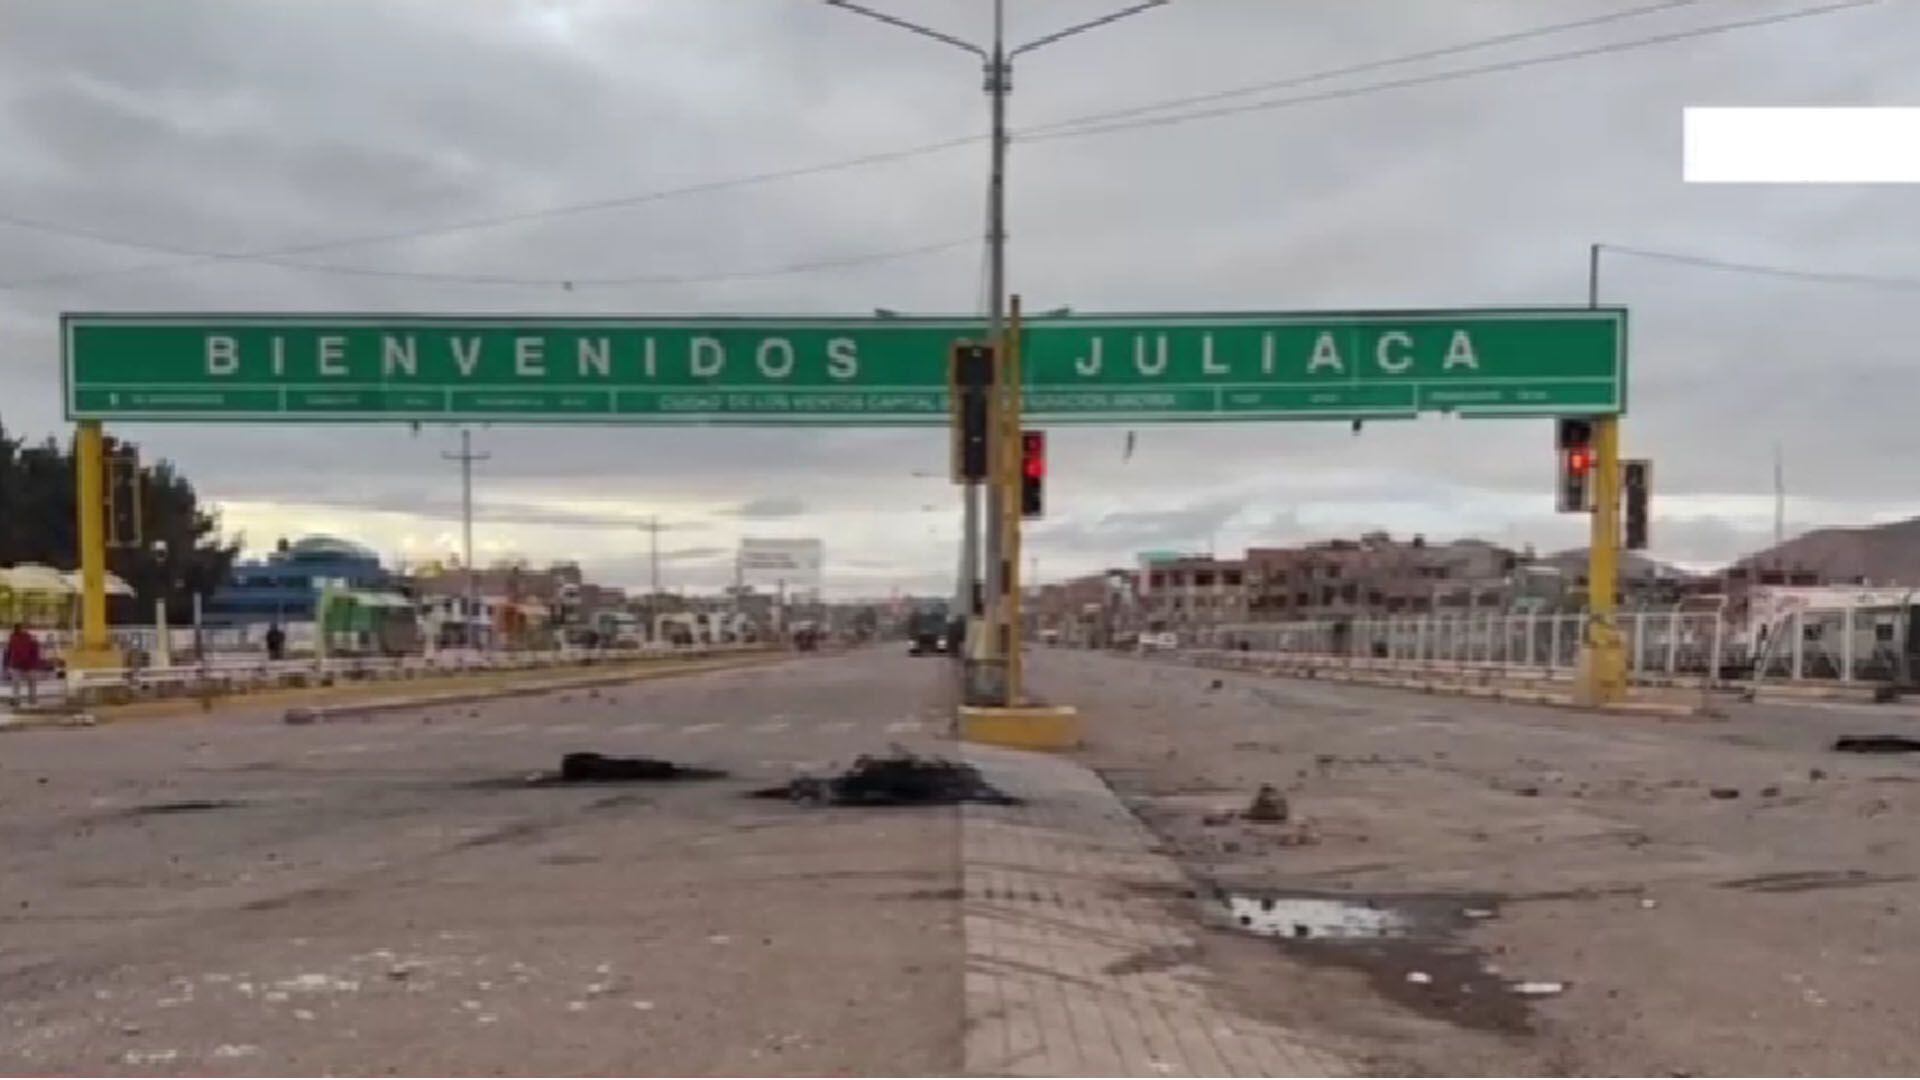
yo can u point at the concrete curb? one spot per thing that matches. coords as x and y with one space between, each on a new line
324 713
37 721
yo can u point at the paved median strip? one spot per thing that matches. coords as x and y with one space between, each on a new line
1054 983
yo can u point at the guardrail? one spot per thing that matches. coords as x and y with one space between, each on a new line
220 676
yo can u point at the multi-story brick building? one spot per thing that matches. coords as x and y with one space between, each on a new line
1192 590
1375 575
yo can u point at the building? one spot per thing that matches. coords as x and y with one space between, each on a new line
1092 610
285 586
1191 590
1376 575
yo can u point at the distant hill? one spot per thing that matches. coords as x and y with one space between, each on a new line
1634 566
1875 554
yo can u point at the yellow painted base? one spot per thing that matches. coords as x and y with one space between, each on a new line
1601 677
1023 727
95 659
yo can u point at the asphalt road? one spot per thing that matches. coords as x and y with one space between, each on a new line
233 895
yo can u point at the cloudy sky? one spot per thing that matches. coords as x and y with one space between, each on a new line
378 135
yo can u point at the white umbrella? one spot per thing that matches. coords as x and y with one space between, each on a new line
116 586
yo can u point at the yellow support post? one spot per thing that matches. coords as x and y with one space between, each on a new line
1010 518
1603 667
89 458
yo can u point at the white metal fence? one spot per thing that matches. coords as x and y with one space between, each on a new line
1675 643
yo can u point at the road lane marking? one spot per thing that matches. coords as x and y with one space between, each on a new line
640 728
504 729
771 726
837 725
901 727
695 729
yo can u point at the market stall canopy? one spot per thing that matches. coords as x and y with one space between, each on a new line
35 578
115 585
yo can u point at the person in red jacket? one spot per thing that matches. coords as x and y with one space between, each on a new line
22 663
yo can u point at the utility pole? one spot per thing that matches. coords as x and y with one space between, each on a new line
466 457
653 527
985 682
1779 497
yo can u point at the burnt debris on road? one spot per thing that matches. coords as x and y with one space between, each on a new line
901 779
1876 744
590 768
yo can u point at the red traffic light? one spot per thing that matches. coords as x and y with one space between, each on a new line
1579 459
1033 472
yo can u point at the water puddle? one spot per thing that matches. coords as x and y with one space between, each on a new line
1316 918
1408 946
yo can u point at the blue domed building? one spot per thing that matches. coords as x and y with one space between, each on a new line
285 586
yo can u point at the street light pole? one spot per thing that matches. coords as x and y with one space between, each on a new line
987 683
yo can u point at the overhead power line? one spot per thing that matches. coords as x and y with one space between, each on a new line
516 281
1450 75
192 257
1475 45
1823 277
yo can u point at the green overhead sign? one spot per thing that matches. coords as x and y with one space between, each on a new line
837 371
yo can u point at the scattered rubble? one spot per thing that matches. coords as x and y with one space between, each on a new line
1724 792
1419 978
1876 744
1268 805
898 780
1539 989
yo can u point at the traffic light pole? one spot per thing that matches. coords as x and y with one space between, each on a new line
1009 477
990 681
1603 662
1603 669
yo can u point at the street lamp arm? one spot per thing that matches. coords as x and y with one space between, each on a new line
1082 28
912 27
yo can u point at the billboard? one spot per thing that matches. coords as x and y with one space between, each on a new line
773 562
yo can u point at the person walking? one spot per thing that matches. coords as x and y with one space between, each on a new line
22 664
276 642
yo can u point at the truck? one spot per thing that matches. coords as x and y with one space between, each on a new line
927 631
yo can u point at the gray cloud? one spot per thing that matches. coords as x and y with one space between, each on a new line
228 125
771 506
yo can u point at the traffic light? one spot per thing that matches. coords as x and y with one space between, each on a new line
1033 472
1636 485
970 381
123 495
1574 440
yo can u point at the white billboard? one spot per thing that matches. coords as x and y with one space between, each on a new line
770 563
